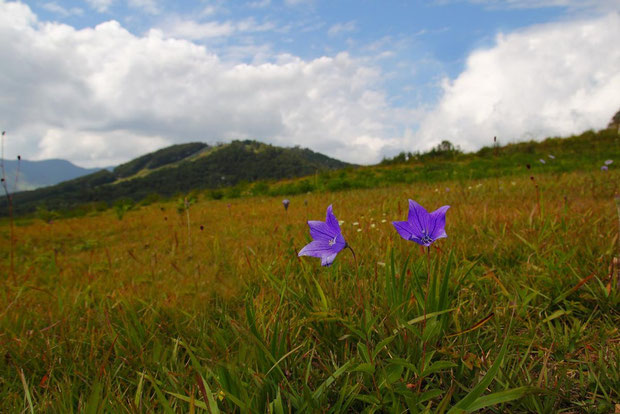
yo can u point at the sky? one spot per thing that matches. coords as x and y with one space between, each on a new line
100 82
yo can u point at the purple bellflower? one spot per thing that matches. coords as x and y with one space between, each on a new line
285 203
328 240
604 168
422 227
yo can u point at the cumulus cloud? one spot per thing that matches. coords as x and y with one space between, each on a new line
99 96
552 79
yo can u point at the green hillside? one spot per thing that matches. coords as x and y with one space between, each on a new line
584 152
178 169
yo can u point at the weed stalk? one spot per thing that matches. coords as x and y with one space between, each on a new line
9 198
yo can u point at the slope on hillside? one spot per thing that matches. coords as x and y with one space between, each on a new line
160 158
180 168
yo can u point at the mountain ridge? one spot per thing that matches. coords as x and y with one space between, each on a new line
42 173
180 168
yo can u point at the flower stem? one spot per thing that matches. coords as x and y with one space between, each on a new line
357 276
428 284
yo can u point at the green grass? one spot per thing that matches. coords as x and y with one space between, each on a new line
147 314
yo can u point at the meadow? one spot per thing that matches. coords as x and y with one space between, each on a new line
208 308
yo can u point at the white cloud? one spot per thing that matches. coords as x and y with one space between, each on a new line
598 5
102 95
54 7
101 6
298 2
259 4
340 28
192 30
180 28
552 79
147 6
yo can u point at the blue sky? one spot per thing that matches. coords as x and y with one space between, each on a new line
108 80
441 34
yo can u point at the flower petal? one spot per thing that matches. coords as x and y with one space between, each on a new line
404 229
438 220
339 243
320 230
419 219
328 259
332 221
316 248
420 242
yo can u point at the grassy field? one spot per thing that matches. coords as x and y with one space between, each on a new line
210 308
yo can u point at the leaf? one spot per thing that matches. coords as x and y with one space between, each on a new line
421 318
92 405
322 296
321 389
471 397
438 366
366 367
429 395
475 326
381 345
207 394
393 372
160 396
573 289
362 349
187 399
501 397
556 314
26 390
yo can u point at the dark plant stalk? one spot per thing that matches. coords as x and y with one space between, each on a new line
357 276
189 235
19 163
9 199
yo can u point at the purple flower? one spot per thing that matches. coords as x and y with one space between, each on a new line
542 161
328 240
552 157
422 227
285 202
604 168
609 162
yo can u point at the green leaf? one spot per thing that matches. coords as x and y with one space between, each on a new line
471 397
556 314
92 405
381 345
160 396
187 399
321 389
438 366
321 295
362 349
364 367
393 373
501 397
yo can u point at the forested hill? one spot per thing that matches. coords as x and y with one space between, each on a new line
177 169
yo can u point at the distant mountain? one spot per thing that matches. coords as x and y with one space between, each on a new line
36 174
178 169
